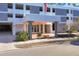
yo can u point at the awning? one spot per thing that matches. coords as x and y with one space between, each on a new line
35 17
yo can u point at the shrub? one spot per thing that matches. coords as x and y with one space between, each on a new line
76 39
72 29
39 34
22 36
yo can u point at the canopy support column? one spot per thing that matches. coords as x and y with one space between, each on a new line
56 29
30 29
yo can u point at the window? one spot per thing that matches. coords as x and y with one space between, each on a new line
63 19
41 28
19 15
69 4
53 26
41 9
53 9
35 28
46 29
27 7
10 15
67 18
19 6
76 4
67 11
61 4
48 9
10 5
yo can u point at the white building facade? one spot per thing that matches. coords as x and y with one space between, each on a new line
14 17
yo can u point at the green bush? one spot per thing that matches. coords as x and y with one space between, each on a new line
76 39
22 36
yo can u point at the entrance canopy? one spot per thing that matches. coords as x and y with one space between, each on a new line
35 17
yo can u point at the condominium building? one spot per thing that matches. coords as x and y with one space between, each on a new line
14 17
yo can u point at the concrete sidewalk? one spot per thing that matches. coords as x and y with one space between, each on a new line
6 46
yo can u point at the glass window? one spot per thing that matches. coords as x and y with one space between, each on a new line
10 15
67 11
61 4
19 6
10 5
76 4
19 15
46 28
27 7
53 26
48 9
53 9
35 28
67 18
41 9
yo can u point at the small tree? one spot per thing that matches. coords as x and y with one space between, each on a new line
70 28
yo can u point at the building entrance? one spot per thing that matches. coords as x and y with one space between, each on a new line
53 26
6 27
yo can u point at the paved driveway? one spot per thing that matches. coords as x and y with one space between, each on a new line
6 38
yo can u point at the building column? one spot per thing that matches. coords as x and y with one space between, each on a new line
13 29
24 27
24 10
27 27
13 21
30 29
40 28
56 29
51 28
43 28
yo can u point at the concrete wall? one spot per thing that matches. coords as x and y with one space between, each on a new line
3 12
3 7
3 17
60 27
61 12
76 12
19 27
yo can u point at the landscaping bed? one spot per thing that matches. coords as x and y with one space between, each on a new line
36 44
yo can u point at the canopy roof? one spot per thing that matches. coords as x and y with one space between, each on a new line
35 17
